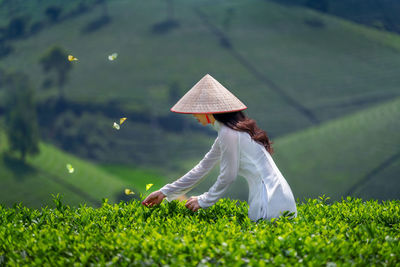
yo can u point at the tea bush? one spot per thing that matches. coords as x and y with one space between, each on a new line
351 232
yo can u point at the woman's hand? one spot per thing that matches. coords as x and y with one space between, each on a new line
193 204
154 198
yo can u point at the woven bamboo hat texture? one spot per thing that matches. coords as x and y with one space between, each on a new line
208 96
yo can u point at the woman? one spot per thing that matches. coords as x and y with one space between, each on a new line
242 149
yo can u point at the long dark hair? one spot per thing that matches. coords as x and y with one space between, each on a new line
240 122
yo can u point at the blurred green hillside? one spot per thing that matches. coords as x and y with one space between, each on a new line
33 182
293 67
355 155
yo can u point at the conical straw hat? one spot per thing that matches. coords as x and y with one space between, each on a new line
208 96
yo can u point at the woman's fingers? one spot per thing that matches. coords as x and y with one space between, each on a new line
149 200
152 202
154 198
192 204
189 203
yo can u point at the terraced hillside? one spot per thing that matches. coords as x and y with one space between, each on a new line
355 155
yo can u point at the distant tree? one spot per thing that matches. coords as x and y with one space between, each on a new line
17 27
20 116
55 59
169 23
103 20
53 13
5 49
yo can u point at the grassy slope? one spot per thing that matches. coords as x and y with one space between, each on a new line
34 182
333 157
382 186
324 68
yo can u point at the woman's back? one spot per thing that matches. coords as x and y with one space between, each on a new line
269 193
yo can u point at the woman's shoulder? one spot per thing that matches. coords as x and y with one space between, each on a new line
223 129
226 133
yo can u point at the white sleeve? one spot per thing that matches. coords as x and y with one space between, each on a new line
229 144
194 176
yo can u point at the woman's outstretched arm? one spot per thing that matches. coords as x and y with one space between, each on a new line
229 145
195 175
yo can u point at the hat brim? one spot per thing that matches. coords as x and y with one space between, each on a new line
216 112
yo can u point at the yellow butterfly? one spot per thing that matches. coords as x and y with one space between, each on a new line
129 192
113 56
116 126
72 58
121 121
70 168
148 186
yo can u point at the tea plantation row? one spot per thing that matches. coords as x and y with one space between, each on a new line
346 233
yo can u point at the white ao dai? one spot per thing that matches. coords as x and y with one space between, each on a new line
238 154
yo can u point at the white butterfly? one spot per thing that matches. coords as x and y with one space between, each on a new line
116 126
70 168
113 56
